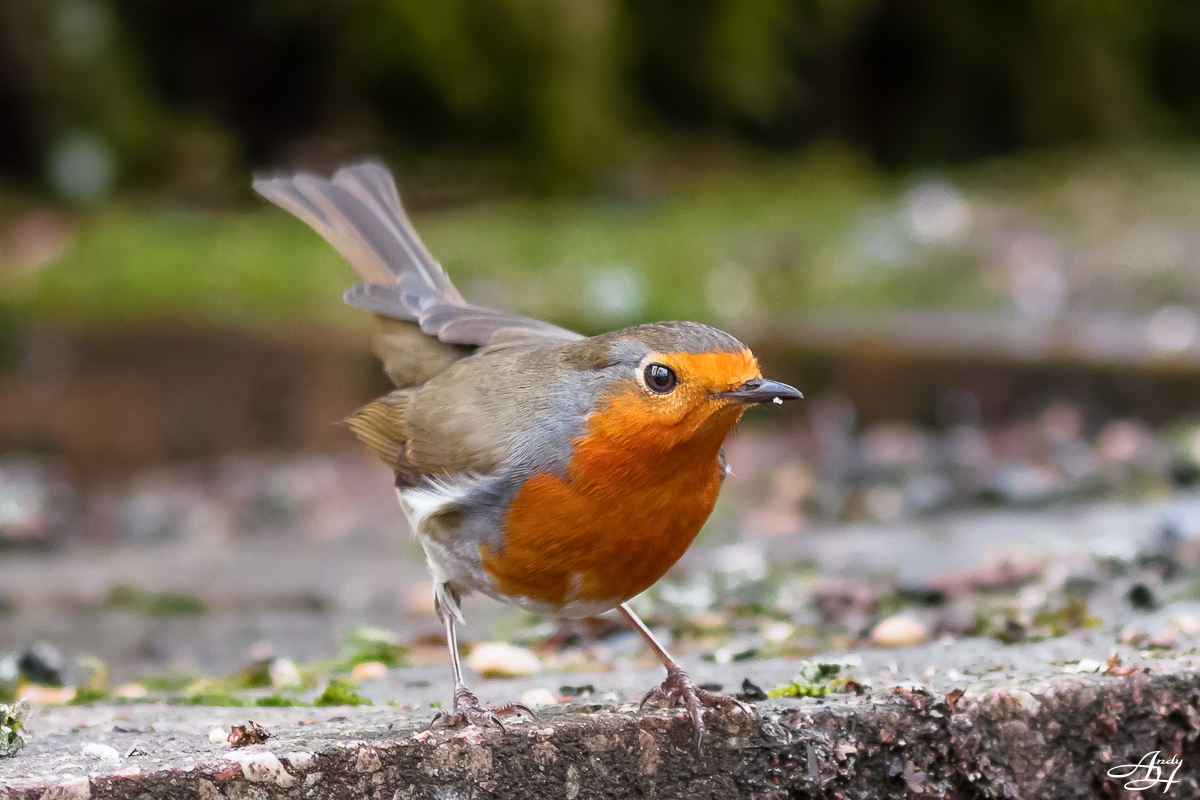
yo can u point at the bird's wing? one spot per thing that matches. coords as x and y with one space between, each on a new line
358 211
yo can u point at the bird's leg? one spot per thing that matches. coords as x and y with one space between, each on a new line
678 688
467 708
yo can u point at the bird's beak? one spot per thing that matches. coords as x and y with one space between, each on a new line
761 390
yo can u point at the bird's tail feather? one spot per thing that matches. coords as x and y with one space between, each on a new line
358 211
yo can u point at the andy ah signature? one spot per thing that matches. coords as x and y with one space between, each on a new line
1152 770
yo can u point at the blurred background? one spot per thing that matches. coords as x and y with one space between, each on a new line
969 232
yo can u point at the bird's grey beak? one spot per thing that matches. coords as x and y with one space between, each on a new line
761 390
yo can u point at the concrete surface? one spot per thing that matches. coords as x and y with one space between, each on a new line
961 719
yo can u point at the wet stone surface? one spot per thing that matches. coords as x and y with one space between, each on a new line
1119 572
1020 610
1031 728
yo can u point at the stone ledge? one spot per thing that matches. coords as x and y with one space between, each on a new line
1043 737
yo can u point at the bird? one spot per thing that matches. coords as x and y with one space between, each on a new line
558 473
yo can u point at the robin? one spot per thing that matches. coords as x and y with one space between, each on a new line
560 473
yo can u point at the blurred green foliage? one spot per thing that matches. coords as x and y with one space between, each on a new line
1071 615
340 693
366 644
760 243
567 92
12 727
747 246
155 604
86 695
278 701
210 692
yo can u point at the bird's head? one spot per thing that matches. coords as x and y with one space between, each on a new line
670 382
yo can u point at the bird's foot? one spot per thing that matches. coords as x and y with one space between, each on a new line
469 711
678 689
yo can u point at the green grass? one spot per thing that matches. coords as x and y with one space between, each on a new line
340 693
782 230
220 269
279 701
766 243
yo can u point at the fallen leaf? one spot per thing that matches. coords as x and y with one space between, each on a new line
242 735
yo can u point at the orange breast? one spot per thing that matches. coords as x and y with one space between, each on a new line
632 501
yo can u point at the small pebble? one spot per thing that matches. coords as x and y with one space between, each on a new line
130 691
1129 634
709 620
503 660
1167 637
778 632
369 669
262 650
218 736
284 673
751 691
1141 597
900 631
538 697
419 599
50 695
1085 665
43 663
471 736
101 752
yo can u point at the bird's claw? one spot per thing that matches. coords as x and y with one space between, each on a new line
678 689
469 711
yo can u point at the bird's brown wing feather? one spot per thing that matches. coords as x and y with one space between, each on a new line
382 425
409 356
435 425
468 419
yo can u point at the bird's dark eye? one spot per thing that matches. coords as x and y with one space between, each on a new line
660 378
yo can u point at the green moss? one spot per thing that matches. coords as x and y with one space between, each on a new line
86 694
255 676
366 644
155 604
167 683
124 596
794 689
213 699
340 693
278 700
813 679
211 692
902 600
1073 614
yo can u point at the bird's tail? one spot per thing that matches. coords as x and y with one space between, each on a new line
358 211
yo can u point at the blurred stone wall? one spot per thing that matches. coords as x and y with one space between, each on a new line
139 397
